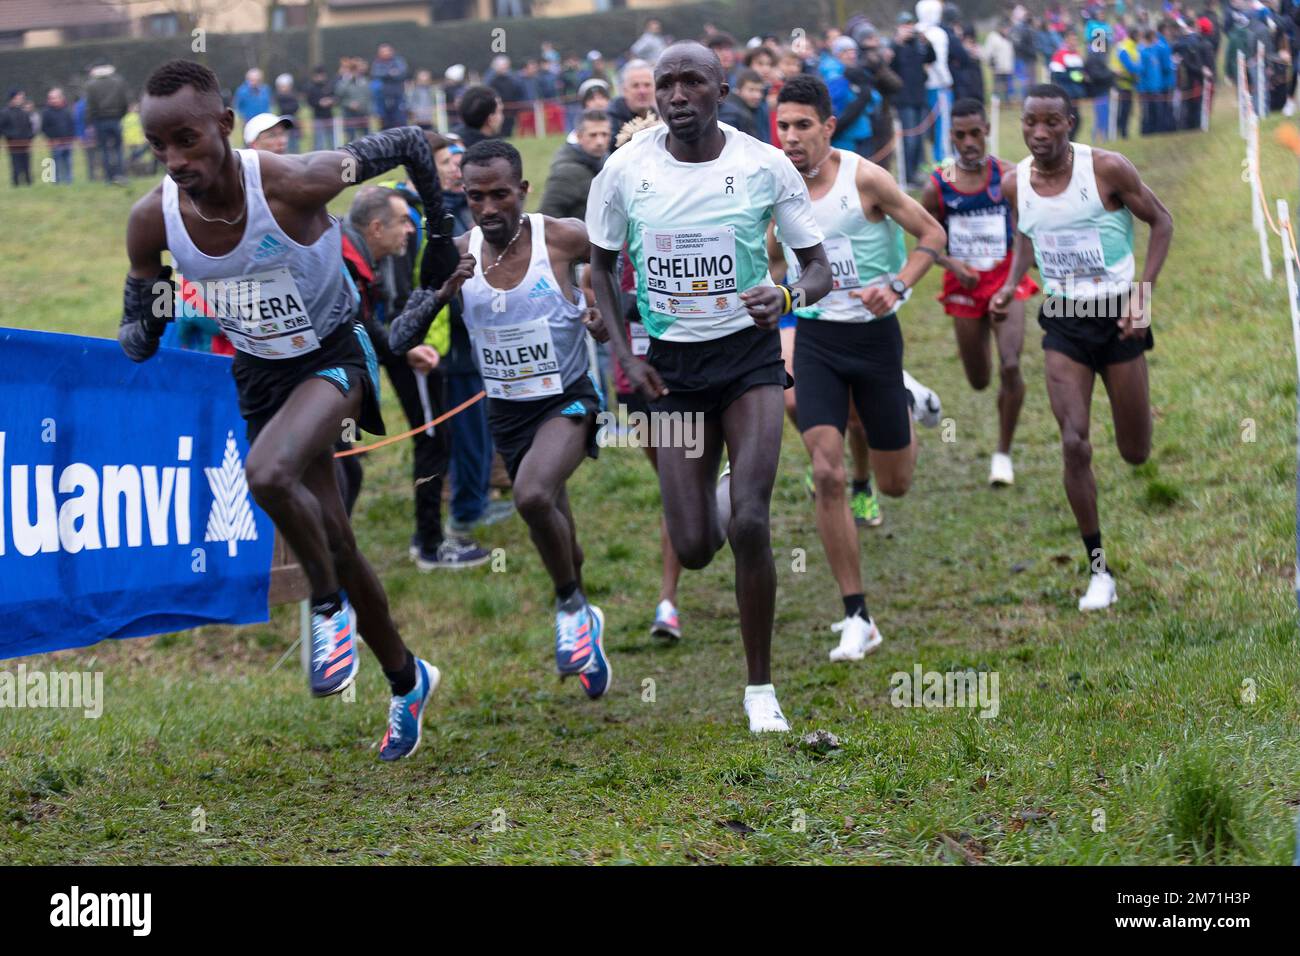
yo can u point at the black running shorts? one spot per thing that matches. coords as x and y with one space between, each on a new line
708 376
1086 331
514 425
863 361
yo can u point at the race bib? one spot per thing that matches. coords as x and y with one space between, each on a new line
844 268
978 239
640 339
262 315
518 361
1076 253
690 273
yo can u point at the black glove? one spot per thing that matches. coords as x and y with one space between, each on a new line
440 257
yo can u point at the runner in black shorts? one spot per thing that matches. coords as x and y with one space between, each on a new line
849 346
1075 207
525 316
691 199
252 228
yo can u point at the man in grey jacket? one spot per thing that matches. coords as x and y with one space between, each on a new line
574 166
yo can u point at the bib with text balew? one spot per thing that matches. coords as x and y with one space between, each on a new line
518 361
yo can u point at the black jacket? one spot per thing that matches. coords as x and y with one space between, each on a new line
620 114
910 60
16 124
734 112
318 90
568 183
58 123
469 136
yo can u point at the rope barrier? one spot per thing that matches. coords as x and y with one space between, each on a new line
414 431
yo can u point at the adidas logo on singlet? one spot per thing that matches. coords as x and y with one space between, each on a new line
542 288
268 248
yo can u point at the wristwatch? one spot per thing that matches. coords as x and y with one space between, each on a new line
898 287
441 228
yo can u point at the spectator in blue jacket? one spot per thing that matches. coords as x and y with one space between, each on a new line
853 99
1150 78
253 96
388 74
1168 75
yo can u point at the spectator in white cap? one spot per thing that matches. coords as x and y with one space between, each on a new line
268 132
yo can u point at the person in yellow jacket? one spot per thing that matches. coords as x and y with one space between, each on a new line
1124 60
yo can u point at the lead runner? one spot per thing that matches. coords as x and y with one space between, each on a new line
240 220
692 200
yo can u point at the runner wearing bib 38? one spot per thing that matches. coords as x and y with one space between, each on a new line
525 316
692 199
967 198
1075 207
849 347
252 228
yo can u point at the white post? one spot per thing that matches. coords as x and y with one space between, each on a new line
1284 219
1261 85
900 154
945 112
1242 93
539 118
1256 220
1257 196
1113 97
304 634
995 118
1207 100
440 108
338 132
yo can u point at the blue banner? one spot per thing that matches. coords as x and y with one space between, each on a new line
123 505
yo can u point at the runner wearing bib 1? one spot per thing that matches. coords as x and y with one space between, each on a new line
692 200
253 237
967 197
525 320
1075 208
849 347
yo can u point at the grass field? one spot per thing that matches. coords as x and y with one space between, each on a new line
1164 731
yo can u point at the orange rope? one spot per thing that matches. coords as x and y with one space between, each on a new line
414 431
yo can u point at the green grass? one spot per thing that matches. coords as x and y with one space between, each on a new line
1161 732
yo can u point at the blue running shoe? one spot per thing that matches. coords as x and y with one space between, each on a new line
405 714
596 676
573 640
333 651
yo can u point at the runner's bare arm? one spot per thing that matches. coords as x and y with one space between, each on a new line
568 247
148 299
775 259
311 180
875 181
1022 255
604 282
1126 185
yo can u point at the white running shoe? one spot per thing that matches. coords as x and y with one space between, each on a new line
1101 593
926 407
858 638
763 711
1001 473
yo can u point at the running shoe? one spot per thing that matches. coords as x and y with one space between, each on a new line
926 407
763 711
1001 474
452 553
866 509
406 711
574 643
858 638
333 651
666 628
1101 593
597 675
495 512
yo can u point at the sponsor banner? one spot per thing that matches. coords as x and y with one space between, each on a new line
124 509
